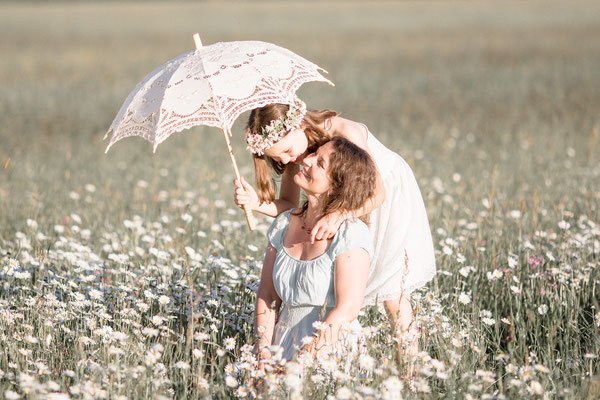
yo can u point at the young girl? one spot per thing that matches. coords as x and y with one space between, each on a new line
281 135
303 282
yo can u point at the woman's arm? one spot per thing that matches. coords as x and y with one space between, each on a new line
289 194
350 280
267 303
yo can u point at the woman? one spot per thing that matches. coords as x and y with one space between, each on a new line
304 282
281 135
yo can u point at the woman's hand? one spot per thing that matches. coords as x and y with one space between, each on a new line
266 365
263 355
327 226
309 347
245 194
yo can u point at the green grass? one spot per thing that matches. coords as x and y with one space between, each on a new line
494 106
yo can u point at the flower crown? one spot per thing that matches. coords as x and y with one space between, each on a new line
278 128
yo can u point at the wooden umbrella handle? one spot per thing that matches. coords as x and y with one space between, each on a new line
247 211
249 218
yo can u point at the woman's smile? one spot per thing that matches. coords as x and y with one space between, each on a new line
304 172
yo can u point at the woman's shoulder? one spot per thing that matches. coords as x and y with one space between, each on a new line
283 219
352 234
354 226
285 215
278 227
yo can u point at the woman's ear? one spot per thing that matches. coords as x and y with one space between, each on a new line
327 124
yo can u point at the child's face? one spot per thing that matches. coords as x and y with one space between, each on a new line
290 148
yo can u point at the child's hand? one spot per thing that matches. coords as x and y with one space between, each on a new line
245 194
326 227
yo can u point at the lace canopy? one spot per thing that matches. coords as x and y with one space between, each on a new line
212 86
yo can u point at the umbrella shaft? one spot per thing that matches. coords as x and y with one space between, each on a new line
247 211
227 135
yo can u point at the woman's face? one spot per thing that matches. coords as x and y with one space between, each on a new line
314 175
290 148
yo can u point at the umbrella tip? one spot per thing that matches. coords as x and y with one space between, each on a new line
197 41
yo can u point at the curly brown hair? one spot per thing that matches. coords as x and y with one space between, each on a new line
261 117
353 177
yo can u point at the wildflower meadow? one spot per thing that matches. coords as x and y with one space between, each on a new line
132 275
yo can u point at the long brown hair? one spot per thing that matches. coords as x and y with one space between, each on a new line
261 117
353 177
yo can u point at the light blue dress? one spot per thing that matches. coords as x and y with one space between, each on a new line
306 287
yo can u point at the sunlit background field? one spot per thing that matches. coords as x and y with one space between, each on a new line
132 274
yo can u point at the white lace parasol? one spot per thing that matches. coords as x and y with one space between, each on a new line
212 86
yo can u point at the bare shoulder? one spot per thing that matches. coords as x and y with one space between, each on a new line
351 130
